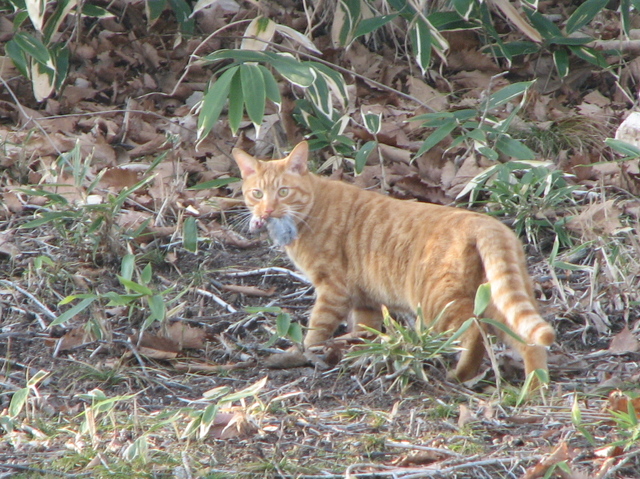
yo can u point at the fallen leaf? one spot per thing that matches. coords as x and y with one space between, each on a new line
74 338
186 336
559 454
465 416
249 290
624 342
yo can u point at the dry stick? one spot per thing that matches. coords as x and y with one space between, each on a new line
28 117
217 299
422 448
611 472
44 309
271 269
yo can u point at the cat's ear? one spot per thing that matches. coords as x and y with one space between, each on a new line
297 159
248 164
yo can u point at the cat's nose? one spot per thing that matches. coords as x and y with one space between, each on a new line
267 212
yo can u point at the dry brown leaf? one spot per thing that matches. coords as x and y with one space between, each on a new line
119 178
619 402
465 416
249 290
624 342
186 336
231 424
154 346
560 454
427 95
74 338
596 220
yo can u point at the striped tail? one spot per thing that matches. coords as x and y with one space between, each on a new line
511 290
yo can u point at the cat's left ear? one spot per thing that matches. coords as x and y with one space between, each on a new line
248 164
297 159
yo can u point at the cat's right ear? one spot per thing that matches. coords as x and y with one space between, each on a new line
248 164
297 159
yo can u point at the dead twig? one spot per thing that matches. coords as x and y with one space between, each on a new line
35 300
269 270
217 299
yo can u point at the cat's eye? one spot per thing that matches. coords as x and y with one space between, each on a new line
282 192
257 194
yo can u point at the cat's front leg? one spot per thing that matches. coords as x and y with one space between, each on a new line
330 309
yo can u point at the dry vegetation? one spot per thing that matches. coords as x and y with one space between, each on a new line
159 371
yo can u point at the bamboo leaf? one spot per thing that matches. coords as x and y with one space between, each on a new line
584 14
190 234
363 155
71 312
254 93
214 101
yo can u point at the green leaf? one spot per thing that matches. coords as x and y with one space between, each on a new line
421 42
236 105
271 86
590 55
94 11
133 286
352 14
504 328
283 321
71 312
214 101
157 307
217 183
18 400
368 25
147 274
36 378
584 14
507 94
127 265
437 136
514 148
372 122
254 92
363 155
464 7
444 21
561 60
296 72
34 48
182 11
627 149
190 234
482 300
545 27
295 333
18 57
63 8
154 9
570 41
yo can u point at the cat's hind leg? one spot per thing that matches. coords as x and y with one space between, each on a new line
472 349
363 316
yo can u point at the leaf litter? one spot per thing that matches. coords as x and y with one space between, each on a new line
128 103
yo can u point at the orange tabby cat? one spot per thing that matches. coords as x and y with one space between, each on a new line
361 249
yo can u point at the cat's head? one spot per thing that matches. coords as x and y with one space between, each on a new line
277 189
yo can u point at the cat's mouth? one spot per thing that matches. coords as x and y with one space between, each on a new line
282 231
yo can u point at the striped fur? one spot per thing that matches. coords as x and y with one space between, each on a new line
362 249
